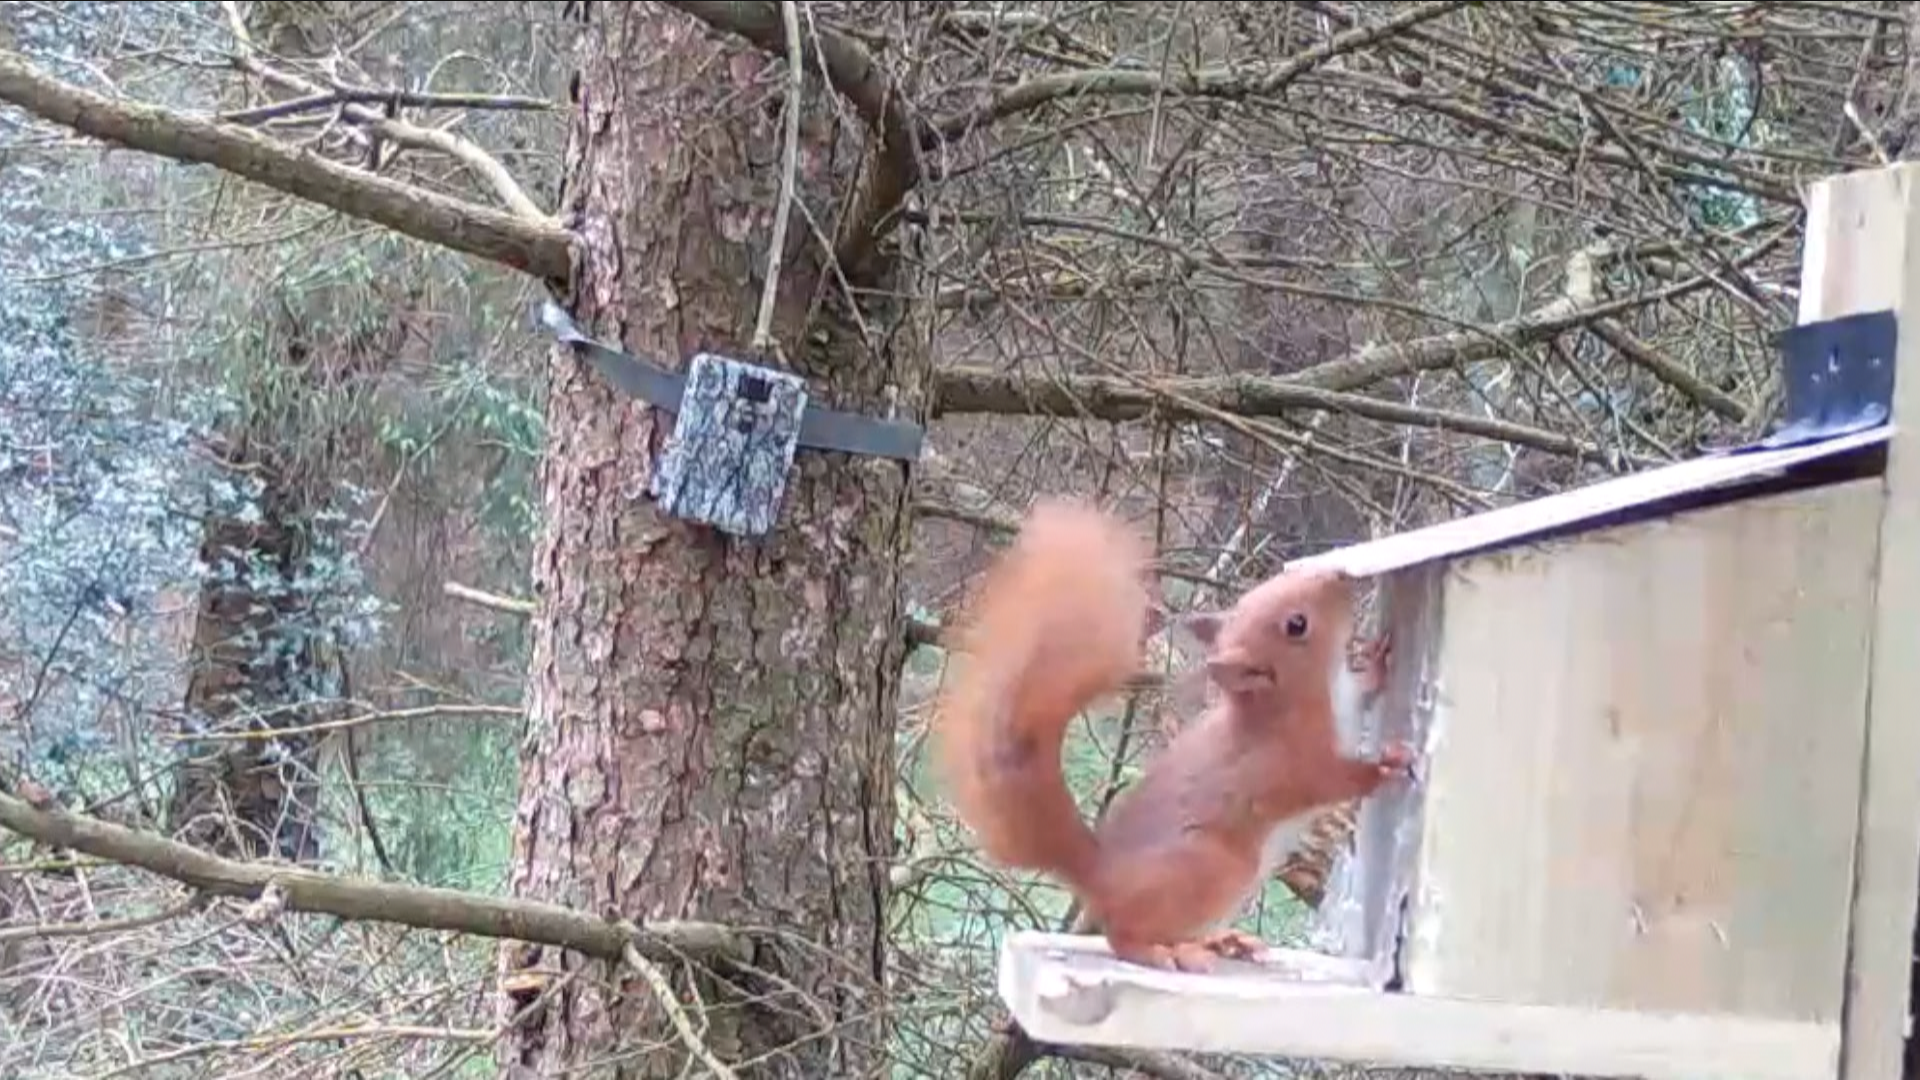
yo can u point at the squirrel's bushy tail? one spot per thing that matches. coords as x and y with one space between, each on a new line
1057 622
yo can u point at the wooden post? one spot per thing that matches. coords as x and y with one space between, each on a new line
1863 254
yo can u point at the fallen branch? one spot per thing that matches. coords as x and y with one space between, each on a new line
534 247
373 901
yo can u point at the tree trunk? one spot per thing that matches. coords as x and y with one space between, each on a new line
249 799
711 719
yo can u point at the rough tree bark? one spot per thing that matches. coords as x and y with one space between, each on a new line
710 720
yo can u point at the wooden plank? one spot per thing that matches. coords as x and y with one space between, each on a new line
1584 505
1862 254
1066 989
1646 764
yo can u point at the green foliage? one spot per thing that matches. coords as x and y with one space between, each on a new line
442 797
309 366
473 407
101 484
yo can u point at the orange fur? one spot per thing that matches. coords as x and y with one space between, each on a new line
1057 623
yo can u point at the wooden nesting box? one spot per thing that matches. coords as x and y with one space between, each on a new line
1667 820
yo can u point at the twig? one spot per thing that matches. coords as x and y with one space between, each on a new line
789 174
663 991
101 926
510 605
348 723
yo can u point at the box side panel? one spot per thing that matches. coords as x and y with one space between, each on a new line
1644 782
1361 914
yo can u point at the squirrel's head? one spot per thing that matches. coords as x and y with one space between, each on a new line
1285 630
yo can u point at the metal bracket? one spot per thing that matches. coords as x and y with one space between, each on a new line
1839 378
736 429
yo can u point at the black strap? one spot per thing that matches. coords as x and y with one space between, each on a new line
820 428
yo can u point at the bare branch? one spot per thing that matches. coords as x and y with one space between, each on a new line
1686 382
535 247
423 712
372 901
478 161
1230 84
99 927
1106 397
410 99
918 633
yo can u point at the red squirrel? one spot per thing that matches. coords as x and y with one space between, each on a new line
1060 620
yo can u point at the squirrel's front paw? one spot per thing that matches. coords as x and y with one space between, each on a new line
1368 657
1395 757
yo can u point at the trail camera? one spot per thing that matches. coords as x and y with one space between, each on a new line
736 428
726 463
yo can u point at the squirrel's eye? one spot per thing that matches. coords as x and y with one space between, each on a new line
1297 626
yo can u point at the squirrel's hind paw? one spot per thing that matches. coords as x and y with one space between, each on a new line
1396 758
1234 944
1197 956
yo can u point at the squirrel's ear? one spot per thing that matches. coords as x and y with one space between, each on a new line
1202 627
1236 673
